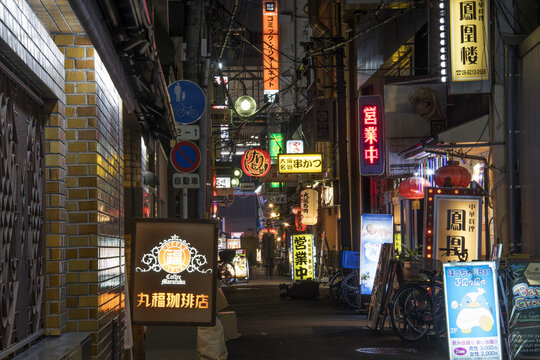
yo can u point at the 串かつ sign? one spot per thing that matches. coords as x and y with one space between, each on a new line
472 311
174 272
299 163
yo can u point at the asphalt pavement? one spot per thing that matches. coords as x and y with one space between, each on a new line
276 328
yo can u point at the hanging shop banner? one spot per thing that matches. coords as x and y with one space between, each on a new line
371 137
295 146
309 205
298 223
277 144
453 224
472 310
300 163
524 307
173 271
270 47
469 40
377 229
302 257
256 162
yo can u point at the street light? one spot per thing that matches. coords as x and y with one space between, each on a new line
245 106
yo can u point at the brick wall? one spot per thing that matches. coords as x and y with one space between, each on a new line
95 277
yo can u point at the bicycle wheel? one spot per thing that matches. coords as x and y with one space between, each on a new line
334 287
350 289
439 320
408 307
227 274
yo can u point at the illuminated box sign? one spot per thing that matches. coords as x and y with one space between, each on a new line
469 40
472 311
295 146
371 137
376 230
453 221
299 163
270 47
173 272
223 182
302 246
277 144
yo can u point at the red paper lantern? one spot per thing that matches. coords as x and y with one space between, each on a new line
452 175
296 209
413 187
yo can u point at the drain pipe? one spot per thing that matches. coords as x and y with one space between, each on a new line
510 91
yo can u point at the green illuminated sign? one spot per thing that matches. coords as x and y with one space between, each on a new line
274 185
277 144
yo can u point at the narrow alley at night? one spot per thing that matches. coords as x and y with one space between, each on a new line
269 179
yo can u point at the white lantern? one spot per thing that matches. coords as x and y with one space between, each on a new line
309 205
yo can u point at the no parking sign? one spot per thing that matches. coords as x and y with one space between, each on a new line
185 156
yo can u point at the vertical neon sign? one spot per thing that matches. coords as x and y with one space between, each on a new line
371 138
270 49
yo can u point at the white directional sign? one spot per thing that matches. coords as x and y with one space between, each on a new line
276 198
188 132
186 181
247 186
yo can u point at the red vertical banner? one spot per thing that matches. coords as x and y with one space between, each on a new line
270 46
371 136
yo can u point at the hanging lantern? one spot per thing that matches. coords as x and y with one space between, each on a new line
452 175
413 187
309 204
296 209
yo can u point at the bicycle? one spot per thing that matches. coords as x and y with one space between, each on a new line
226 270
418 307
334 286
350 289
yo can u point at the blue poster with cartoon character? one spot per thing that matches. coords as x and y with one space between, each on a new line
472 311
377 229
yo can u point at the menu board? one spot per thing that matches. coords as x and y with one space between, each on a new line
524 307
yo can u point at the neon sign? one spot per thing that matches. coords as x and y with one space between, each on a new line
270 48
371 135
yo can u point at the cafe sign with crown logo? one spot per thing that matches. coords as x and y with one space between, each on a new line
173 272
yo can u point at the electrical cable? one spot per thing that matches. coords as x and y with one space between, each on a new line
229 30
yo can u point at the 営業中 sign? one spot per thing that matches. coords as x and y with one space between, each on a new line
256 162
299 163
524 308
371 137
173 271
302 246
472 311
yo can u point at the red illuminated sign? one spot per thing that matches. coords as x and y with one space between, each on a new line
371 136
270 46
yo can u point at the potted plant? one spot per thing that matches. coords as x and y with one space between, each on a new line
407 257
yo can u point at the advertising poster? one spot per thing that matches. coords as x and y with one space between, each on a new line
524 307
173 271
240 264
472 311
303 257
377 229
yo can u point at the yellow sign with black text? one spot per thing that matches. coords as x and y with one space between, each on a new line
299 163
302 245
469 40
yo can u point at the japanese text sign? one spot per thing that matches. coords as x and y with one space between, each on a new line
453 224
472 311
377 229
309 205
302 246
524 308
277 144
270 46
299 163
371 137
469 40
256 162
295 146
173 271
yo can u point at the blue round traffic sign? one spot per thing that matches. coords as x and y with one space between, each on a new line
185 156
188 101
